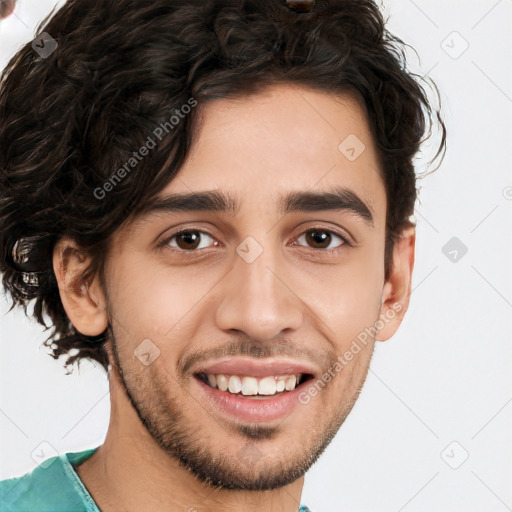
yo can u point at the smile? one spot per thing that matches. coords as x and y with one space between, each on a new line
245 398
253 386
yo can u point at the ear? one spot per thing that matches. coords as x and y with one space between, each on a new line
397 288
83 300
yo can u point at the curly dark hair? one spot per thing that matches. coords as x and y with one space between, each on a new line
122 68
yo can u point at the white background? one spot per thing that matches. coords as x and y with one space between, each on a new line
445 377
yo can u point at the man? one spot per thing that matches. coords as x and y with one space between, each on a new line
211 199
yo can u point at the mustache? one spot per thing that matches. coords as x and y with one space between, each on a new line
258 350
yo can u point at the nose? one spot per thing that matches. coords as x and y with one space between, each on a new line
258 298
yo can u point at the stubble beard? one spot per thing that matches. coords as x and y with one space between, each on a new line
253 469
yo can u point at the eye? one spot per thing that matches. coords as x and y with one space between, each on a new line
319 238
188 240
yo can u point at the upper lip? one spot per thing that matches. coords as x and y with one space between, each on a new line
256 367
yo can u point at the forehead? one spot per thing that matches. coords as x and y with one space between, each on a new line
259 150
284 137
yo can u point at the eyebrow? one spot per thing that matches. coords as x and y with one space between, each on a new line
337 198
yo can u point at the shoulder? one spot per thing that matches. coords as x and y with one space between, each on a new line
34 491
49 487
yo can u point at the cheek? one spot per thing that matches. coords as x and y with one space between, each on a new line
348 314
150 301
347 297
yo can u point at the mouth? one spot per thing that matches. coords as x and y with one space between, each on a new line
252 391
255 388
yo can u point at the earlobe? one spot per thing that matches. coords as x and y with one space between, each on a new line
397 288
83 300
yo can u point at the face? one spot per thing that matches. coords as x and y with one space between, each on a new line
276 277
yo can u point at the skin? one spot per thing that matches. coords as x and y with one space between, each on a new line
312 302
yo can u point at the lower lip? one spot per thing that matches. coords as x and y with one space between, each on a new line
250 409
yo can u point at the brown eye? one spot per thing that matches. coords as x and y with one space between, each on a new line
322 239
188 240
318 239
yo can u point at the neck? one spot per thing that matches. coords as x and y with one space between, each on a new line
131 472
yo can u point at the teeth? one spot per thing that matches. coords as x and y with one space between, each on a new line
249 386
235 385
291 382
222 382
267 386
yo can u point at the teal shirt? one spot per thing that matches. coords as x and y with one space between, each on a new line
53 486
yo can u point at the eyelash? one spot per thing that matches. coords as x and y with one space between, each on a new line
165 243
